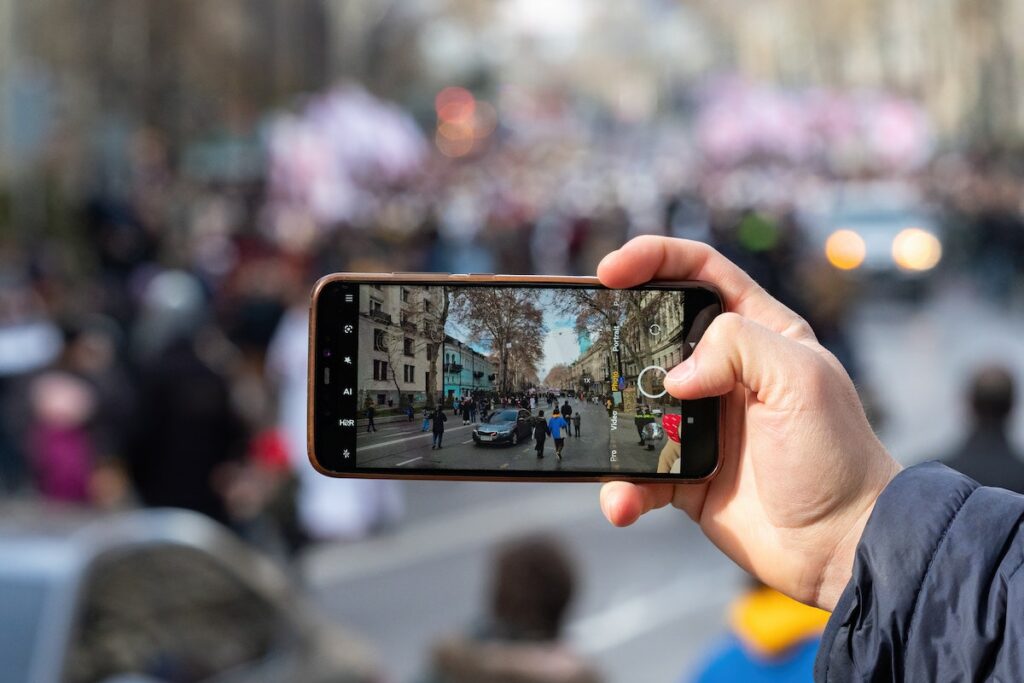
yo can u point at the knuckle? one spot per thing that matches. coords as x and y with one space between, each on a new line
801 329
648 239
817 379
725 327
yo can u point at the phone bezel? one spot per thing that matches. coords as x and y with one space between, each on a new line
319 337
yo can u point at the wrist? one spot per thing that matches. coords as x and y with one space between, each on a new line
838 569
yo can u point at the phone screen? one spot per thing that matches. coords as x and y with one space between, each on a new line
498 380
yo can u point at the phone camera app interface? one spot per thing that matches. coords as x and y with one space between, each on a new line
521 379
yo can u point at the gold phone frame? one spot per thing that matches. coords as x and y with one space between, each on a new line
437 279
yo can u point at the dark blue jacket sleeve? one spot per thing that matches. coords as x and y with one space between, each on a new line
937 592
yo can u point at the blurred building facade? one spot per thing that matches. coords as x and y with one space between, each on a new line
962 59
187 66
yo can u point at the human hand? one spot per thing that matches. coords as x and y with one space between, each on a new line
801 467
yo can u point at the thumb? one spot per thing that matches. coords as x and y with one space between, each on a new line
736 350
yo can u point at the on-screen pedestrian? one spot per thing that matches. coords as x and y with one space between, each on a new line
567 415
555 426
439 419
370 413
540 432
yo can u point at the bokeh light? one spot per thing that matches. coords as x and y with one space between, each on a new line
845 249
461 121
453 147
916 249
455 104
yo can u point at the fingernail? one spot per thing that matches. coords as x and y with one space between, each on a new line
680 373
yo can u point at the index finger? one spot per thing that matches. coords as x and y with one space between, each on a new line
651 257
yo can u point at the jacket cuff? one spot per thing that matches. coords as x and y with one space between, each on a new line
871 621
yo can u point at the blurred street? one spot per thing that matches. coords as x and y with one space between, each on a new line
653 595
917 360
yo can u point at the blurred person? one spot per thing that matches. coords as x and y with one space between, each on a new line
772 638
426 420
260 496
61 447
121 245
1000 230
91 352
29 342
540 433
986 455
519 640
549 244
260 489
918 566
686 215
576 423
828 296
327 508
186 431
92 345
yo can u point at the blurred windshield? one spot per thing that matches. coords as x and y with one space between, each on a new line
502 416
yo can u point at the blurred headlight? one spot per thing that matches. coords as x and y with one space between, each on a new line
916 249
845 249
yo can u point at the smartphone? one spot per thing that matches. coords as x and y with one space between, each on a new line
498 377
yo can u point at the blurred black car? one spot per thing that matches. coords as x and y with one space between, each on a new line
507 426
159 596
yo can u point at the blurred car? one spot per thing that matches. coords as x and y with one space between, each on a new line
882 229
507 426
657 411
162 596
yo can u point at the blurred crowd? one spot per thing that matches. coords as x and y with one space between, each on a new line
154 352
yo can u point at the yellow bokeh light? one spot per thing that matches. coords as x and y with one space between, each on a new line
916 249
456 131
845 249
453 148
